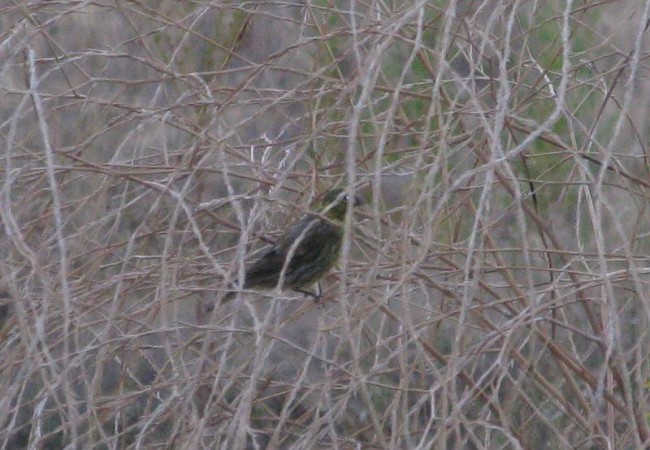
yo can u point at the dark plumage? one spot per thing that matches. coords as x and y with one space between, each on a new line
313 243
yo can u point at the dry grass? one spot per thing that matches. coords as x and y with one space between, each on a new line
493 293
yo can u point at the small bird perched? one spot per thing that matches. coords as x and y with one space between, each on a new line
313 244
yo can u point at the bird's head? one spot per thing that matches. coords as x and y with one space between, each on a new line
334 204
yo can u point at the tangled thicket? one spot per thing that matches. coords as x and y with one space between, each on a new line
492 294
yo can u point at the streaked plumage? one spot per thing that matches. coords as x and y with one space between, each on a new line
317 249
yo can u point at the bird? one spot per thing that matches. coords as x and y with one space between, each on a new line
312 243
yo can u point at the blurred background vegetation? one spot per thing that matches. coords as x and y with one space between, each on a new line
492 293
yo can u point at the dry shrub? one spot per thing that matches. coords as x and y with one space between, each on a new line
491 294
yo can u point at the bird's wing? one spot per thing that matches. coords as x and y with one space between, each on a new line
301 230
313 236
264 271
